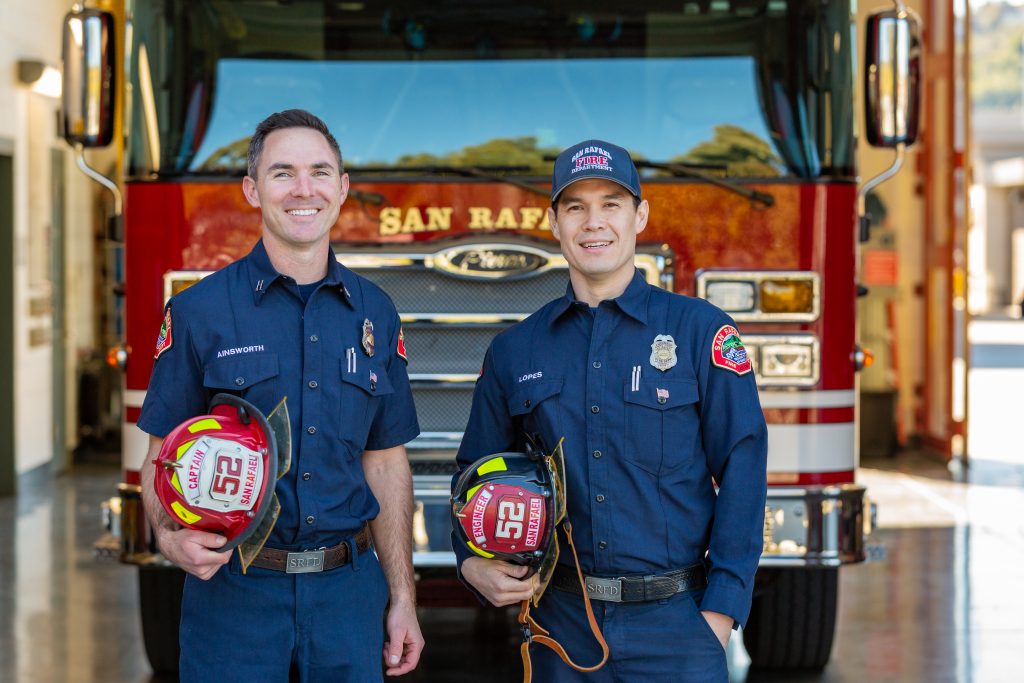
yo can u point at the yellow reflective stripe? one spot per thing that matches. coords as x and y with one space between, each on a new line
186 516
482 553
184 447
493 465
208 423
175 483
469 493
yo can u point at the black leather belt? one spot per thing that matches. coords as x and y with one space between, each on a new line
632 588
310 561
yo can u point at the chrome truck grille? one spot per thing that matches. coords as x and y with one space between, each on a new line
454 300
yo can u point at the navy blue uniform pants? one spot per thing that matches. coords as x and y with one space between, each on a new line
259 626
651 642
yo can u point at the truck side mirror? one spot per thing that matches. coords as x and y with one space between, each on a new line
892 78
89 87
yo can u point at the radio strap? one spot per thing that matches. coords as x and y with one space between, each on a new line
535 633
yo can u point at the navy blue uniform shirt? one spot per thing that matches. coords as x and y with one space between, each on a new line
641 444
245 330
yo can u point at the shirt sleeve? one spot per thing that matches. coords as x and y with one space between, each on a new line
395 421
490 430
735 441
176 391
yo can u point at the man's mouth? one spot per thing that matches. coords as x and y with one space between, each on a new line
595 245
303 212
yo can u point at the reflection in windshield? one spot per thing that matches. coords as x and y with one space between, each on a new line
761 89
740 152
507 113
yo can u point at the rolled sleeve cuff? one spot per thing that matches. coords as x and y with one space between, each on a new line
728 599
392 439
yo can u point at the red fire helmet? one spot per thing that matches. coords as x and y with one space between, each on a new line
506 506
217 472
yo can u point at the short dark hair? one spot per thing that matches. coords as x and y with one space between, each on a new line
636 202
290 118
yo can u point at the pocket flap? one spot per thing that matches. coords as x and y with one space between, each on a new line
528 397
240 372
662 394
369 376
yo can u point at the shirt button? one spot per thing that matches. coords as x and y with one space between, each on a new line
310 519
595 409
602 545
598 454
311 429
526 403
306 476
313 384
313 338
239 381
597 365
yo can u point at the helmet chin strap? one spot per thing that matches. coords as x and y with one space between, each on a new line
535 633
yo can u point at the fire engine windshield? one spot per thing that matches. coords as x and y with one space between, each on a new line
749 89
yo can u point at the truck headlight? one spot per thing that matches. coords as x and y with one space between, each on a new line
784 360
787 296
766 296
732 297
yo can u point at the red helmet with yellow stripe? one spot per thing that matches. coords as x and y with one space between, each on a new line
506 506
217 472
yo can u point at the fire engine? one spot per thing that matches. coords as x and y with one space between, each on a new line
740 114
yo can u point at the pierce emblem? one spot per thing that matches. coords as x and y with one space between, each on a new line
663 352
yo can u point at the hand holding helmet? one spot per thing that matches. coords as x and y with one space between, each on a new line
217 472
507 508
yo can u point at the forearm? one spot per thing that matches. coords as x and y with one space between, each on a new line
387 473
157 517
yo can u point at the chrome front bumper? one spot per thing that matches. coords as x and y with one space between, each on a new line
822 526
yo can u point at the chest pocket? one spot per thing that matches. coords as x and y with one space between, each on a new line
251 376
361 392
535 406
662 424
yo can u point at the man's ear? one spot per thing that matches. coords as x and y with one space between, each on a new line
553 222
252 195
642 213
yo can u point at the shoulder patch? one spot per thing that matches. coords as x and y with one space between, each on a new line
727 351
163 340
401 346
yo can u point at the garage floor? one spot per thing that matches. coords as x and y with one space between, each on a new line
945 603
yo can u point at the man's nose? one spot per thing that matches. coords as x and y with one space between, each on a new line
594 220
303 186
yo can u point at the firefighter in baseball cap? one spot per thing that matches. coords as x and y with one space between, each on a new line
510 506
217 472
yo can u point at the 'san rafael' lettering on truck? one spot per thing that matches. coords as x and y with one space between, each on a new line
741 117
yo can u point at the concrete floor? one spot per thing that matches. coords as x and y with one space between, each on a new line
945 604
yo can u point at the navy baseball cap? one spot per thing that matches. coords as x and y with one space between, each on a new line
594 159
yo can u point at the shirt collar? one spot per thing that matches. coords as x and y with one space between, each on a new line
632 302
262 274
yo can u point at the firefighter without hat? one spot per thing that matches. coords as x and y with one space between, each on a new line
217 472
509 506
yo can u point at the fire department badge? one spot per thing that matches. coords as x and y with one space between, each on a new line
727 351
163 340
663 352
368 337
401 345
